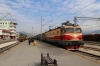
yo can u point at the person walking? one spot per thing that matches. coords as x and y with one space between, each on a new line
32 40
29 41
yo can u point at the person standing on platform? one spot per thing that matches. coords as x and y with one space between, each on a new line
32 40
29 40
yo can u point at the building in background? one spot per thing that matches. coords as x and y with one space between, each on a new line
4 34
7 29
13 30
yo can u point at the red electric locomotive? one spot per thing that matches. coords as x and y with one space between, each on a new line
68 36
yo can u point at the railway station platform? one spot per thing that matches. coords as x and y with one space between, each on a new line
30 55
7 40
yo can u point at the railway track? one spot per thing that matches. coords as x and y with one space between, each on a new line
89 52
91 48
92 43
89 55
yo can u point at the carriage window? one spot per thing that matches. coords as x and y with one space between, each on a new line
78 30
70 30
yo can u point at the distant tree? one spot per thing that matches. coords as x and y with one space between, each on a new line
21 34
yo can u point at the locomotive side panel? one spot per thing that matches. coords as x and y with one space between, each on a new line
54 35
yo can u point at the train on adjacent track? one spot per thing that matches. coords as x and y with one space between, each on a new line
91 37
68 35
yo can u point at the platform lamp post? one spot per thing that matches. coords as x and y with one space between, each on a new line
41 27
32 31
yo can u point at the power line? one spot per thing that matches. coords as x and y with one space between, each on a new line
0 12
7 11
82 22
47 22
64 12
71 7
51 19
82 8
5 16
79 10
87 19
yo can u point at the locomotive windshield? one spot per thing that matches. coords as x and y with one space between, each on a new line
70 30
78 30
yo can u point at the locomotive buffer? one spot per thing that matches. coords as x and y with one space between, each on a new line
47 61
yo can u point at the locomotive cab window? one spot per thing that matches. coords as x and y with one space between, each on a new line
70 30
78 30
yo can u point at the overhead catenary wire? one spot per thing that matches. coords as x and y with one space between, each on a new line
64 12
88 18
3 15
71 8
7 12
47 22
82 8
78 10
50 20
82 22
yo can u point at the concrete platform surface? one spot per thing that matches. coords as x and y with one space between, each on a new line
7 40
7 44
29 55
21 55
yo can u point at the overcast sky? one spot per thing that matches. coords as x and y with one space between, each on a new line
27 13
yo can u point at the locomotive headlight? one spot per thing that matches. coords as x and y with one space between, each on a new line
75 35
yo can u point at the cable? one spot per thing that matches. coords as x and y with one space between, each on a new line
80 10
64 12
82 22
2 14
47 22
72 7
3 8
88 18
6 11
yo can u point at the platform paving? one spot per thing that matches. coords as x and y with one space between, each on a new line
21 55
4 41
7 44
29 55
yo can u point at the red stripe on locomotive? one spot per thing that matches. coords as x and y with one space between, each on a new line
65 37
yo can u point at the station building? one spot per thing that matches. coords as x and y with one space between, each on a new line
7 29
